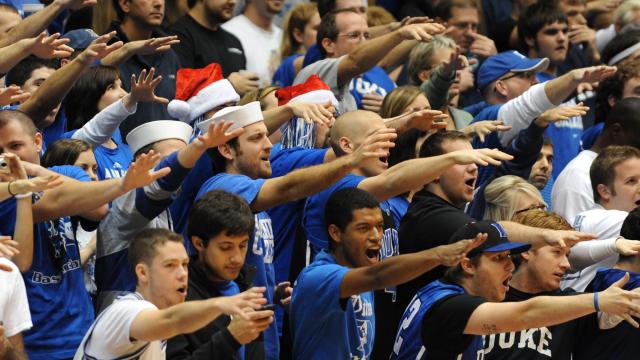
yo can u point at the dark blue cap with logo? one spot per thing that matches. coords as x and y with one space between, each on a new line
498 65
80 38
497 240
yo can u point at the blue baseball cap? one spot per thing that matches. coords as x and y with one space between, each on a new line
80 38
497 240
509 61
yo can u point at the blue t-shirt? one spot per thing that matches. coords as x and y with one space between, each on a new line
409 344
323 325
55 131
60 306
261 243
398 206
590 135
285 74
312 55
375 81
112 163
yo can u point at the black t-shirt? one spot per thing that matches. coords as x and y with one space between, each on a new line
430 221
443 326
200 46
553 342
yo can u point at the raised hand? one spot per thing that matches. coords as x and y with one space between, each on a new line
455 62
599 6
8 247
451 254
99 48
620 302
564 238
312 113
482 157
151 46
482 45
48 47
20 183
561 113
244 81
141 173
217 134
376 145
236 305
420 32
425 120
372 102
13 94
627 247
485 127
143 88
593 74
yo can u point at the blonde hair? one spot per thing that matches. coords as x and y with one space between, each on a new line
539 218
377 15
258 95
421 56
297 18
502 194
397 100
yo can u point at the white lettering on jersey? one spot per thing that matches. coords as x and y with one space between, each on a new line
526 340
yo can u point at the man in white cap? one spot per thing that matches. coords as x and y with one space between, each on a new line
244 168
148 208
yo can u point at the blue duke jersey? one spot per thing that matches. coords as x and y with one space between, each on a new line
261 243
60 306
375 81
324 326
437 334
112 163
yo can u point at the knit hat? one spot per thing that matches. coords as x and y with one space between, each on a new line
153 131
241 116
200 90
314 90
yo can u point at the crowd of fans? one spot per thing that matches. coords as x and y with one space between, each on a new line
336 179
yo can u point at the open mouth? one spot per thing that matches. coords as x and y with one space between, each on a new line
182 291
505 283
373 254
471 182
384 160
638 202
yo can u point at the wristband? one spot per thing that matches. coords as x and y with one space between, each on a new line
9 188
23 196
595 302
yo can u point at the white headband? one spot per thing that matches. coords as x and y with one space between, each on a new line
624 54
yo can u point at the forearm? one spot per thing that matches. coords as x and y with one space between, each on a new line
366 56
76 197
559 89
552 310
53 90
397 56
436 88
275 118
185 318
587 253
13 54
520 112
522 233
118 57
23 234
88 250
101 127
407 175
301 183
33 24
397 270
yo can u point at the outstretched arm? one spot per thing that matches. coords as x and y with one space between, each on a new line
42 46
185 318
311 113
56 87
308 181
492 318
369 53
33 25
415 173
397 270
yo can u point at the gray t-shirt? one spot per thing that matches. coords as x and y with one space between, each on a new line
327 70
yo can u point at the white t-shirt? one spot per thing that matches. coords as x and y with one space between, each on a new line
261 48
14 306
606 224
572 192
109 338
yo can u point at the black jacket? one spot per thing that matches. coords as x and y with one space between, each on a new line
214 340
166 64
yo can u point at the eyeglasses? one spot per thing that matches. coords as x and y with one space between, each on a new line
532 207
521 75
356 35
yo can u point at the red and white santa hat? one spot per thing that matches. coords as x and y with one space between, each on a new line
200 90
241 116
313 90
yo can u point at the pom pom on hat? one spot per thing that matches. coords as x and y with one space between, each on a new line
200 90
314 90
154 131
241 116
